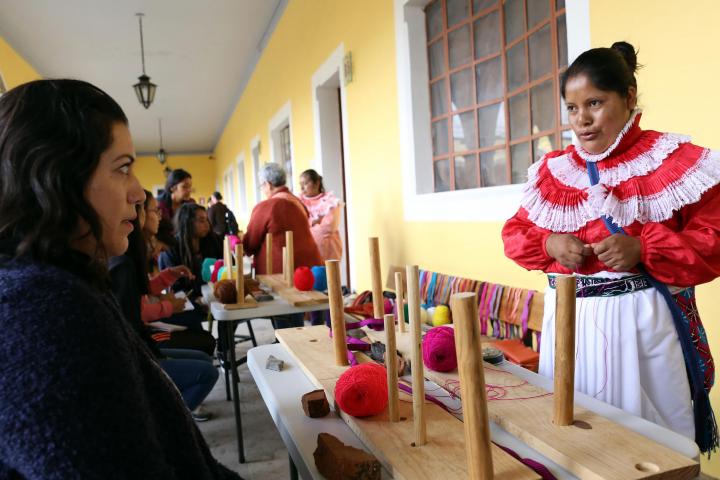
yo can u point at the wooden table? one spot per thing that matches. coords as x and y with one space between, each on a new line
228 320
281 392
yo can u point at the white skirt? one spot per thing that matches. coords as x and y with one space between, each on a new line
627 354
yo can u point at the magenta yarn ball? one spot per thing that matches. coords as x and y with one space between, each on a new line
388 306
362 390
438 349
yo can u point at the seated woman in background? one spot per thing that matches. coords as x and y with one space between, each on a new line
281 212
153 305
194 241
177 191
190 369
99 406
325 211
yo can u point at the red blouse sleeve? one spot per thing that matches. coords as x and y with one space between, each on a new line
525 242
689 254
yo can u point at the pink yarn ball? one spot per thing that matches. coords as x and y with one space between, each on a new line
438 348
362 390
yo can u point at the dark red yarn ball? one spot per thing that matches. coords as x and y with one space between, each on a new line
362 390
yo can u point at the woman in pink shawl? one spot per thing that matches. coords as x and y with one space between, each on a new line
325 211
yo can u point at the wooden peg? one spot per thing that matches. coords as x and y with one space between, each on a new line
240 283
268 254
472 385
400 301
337 313
391 365
564 396
284 265
290 249
418 376
377 295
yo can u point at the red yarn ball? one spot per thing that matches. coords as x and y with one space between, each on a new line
438 349
303 279
362 390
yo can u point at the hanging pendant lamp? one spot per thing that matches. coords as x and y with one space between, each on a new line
161 154
144 89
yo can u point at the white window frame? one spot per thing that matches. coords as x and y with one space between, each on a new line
229 185
332 65
241 203
256 166
282 119
420 202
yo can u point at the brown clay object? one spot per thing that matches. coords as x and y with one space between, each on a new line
337 461
225 291
315 404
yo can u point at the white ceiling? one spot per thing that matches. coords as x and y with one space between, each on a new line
200 53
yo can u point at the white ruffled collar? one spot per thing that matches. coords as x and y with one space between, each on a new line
589 157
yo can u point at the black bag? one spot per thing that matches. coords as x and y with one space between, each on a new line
231 225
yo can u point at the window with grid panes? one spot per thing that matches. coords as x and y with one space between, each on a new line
494 71
286 153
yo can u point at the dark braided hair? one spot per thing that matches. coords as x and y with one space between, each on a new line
185 231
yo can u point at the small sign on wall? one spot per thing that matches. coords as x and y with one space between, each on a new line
347 68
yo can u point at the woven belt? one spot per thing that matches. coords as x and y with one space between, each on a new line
606 287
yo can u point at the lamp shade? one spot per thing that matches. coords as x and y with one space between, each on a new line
145 90
162 156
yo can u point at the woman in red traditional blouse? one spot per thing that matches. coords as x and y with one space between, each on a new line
662 191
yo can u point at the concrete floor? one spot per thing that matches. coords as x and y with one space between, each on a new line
265 453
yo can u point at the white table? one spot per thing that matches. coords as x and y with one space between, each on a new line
228 321
281 392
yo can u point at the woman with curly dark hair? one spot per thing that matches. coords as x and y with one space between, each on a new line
81 395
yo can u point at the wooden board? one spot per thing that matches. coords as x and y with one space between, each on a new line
605 451
293 296
444 454
249 302
275 281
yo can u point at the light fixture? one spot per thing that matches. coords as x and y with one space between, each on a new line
161 154
144 89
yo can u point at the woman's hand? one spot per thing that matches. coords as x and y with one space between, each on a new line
181 271
568 250
619 252
178 304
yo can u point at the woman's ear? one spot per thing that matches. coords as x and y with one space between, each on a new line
631 99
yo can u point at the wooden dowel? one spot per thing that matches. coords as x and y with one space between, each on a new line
391 365
268 254
472 385
227 257
418 376
240 283
564 396
400 301
290 257
284 265
377 294
337 313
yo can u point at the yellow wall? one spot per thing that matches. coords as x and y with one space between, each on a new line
13 68
678 92
150 172
676 86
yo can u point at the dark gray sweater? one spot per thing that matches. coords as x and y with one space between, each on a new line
80 394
